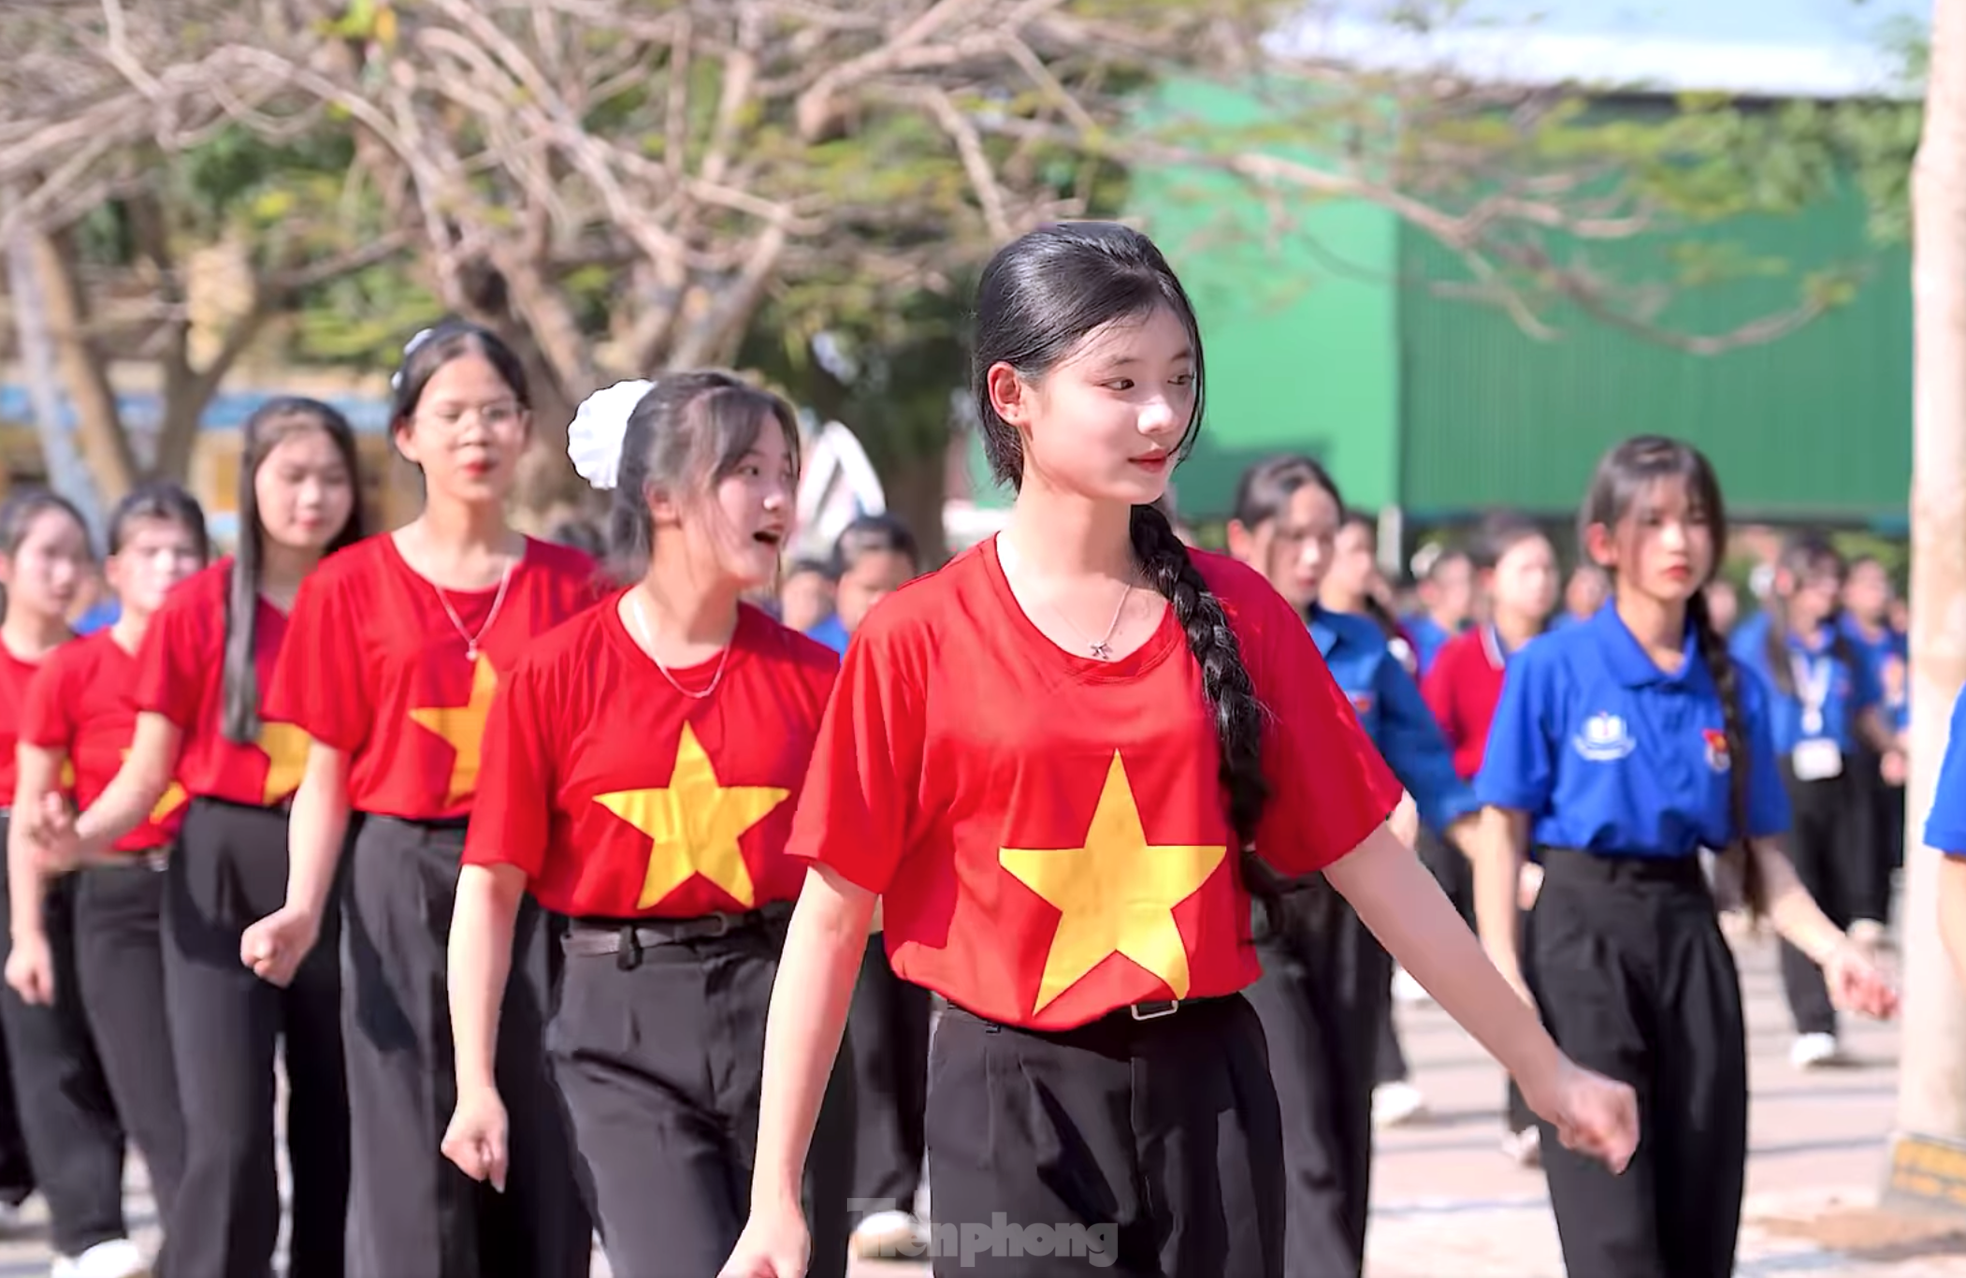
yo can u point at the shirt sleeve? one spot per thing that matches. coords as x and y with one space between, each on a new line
1866 679
1518 766
1329 786
1945 825
46 720
1413 746
169 680
1768 797
318 683
511 819
857 804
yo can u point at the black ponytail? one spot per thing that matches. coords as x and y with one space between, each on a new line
1737 860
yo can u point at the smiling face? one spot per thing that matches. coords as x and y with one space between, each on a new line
466 430
735 532
1106 420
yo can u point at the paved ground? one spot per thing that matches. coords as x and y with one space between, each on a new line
1447 1205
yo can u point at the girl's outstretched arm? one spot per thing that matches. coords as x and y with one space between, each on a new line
816 974
1402 903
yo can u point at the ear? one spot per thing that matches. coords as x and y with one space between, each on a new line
403 436
1242 541
662 508
1010 395
1601 546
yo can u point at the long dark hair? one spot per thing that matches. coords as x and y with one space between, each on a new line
685 434
1264 491
271 423
1037 300
1622 479
1500 532
17 515
159 502
1801 554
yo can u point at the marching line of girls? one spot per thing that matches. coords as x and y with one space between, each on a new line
1012 766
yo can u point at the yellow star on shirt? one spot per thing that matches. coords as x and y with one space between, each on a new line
695 823
1115 894
173 796
285 747
463 727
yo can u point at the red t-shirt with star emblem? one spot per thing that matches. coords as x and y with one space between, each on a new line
374 666
15 677
82 704
181 676
1048 831
621 797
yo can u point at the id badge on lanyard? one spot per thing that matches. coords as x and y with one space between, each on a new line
1817 757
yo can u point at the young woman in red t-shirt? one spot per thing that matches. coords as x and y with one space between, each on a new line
642 765
1054 761
1517 583
395 649
67 1116
81 712
205 659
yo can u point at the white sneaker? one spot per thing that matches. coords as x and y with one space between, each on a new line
1407 991
1396 1103
117 1258
1524 1148
1812 1050
888 1235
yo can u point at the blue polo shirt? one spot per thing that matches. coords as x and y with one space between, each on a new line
1608 753
1889 657
1849 687
1945 825
831 632
1429 637
1394 715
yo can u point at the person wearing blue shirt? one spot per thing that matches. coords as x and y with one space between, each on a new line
1945 832
1325 994
1824 719
1868 596
1446 588
1623 746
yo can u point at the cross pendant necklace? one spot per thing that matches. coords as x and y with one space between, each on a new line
1103 649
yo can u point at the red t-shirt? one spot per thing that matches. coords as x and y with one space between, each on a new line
1462 689
83 705
620 797
1049 831
181 675
375 667
15 676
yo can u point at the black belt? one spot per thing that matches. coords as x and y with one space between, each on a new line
627 938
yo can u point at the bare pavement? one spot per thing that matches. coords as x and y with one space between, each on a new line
1446 1204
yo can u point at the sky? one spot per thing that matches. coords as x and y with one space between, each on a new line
1778 47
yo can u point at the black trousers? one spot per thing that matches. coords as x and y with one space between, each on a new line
410 1210
1125 1146
119 957
889 1032
67 1114
227 1028
1635 980
1830 844
658 1050
1323 996
1887 837
16 1171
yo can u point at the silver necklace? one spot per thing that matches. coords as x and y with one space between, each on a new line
648 646
1102 650
472 641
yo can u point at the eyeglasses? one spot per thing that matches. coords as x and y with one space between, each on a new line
491 416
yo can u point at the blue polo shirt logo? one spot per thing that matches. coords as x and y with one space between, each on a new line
1361 702
1604 738
1717 757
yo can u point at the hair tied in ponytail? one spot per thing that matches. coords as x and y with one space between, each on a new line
594 439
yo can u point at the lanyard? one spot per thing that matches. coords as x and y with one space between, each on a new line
1813 676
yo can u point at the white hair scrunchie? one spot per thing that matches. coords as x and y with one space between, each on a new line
594 439
409 349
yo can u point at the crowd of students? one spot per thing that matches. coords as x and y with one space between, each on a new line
723 908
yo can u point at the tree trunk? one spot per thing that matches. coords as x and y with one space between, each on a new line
916 488
1932 1079
98 421
67 474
